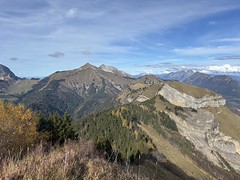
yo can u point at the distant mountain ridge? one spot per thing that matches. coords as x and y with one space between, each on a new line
225 85
80 91
7 77
180 75
12 86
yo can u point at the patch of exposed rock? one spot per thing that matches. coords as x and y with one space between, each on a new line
202 130
142 98
181 99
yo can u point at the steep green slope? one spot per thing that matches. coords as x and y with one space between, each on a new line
116 129
117 132
53 98
124 132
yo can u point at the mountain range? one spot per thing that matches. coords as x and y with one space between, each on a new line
188 126
227 86
80 91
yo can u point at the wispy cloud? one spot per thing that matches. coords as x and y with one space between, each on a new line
226 68
172 67
211 23
100 23
208 50
56 54
236 39
142 26
72 13
13 58
208 69
160 65
166 67
226 58
86 52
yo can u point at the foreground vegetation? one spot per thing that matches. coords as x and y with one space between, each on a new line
74 160
116 132
36 147
17 129
110 144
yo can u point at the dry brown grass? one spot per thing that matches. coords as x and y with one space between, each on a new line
190 89
174 155
229 122
138 86
159 105
72 161
152 90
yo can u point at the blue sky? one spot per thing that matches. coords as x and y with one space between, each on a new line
39 37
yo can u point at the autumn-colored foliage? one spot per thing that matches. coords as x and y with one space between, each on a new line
73 160
17 128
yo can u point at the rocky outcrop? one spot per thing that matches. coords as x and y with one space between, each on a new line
142 98
226 146
181 99
6 74
202 130
3 86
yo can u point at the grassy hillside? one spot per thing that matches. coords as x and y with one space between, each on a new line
189 89
15 89
22 86
130 129
229 122
174 155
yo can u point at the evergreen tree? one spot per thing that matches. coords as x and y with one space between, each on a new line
59 129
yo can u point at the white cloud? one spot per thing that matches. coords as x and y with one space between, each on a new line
86 52
212 23
98 25
208 69
226 68
109 21
72 13
148 71
203 51
235 39
226 58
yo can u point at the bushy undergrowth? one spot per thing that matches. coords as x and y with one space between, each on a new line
74 160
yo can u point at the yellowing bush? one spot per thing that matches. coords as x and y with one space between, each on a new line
17 128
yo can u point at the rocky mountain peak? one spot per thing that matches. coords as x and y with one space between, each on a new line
6 74
88 66
179 75
114 70
108 68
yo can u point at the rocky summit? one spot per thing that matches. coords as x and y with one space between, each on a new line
6 74
80 91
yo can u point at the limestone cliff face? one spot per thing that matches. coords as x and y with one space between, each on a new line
181 99
202 130
201 127
226 146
